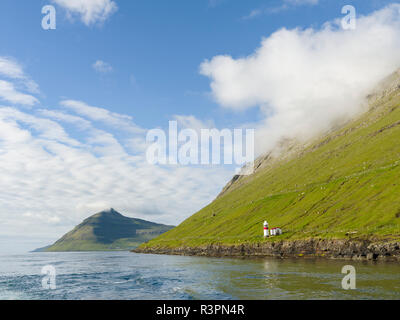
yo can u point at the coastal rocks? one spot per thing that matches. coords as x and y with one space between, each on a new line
335 249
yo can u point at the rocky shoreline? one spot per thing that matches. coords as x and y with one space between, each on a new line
334 249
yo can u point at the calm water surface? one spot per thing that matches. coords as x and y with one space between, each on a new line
124 275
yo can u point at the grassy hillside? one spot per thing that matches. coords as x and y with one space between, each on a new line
108 230
345 184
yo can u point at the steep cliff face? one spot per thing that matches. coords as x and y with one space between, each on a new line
289 148
341 185
285 150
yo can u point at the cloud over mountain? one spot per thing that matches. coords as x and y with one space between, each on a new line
303 80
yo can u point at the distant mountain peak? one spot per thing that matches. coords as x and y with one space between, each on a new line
110 211
108 230
107 213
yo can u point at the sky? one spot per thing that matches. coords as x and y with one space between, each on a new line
77 102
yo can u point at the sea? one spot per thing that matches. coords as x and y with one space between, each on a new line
131 276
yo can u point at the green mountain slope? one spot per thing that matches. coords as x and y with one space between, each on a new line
108 230
343 185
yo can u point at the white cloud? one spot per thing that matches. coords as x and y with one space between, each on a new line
11 69
136 145
97 141
90 11
57 168
9 93
304 80
44 128
102 67
61 165
191 122
60 116
285 5
253 14
102 115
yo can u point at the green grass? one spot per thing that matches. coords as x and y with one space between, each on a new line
343 185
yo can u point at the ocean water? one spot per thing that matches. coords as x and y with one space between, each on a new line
124 275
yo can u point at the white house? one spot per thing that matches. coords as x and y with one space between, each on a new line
271 232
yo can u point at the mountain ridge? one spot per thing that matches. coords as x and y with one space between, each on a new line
291 147
107 230
340 185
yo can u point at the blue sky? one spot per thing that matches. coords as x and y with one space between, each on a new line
74 145
159 43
